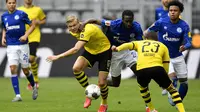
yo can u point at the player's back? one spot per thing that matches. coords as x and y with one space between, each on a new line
97 42
150 53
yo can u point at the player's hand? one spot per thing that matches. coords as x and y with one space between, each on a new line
23 38
114 48
52 58
182 48
3 42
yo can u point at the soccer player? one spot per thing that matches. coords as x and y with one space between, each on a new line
96 49
37 14
175 34
121 31
162 12
152 63
14 36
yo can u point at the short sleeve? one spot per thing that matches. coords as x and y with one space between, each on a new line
110 23
25 18
155 27
41 14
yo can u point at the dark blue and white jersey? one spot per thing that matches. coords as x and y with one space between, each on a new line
118 34
14 24
172 35
160 13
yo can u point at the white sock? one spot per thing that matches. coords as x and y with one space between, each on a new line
18 95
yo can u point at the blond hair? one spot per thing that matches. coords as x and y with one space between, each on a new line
71 18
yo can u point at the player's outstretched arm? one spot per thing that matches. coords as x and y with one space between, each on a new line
69 52
90 21
3 41
28 32
125 46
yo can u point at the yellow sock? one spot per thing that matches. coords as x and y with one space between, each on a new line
104 101
150 105
180 107
34 69
36 79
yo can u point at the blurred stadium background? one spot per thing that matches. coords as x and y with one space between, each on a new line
55 38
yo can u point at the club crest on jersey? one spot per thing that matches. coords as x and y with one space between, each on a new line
107 23
132 35
165 27
82 35
179 30
5 19
16 17
159 14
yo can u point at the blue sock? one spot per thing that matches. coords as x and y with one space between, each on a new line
15 84
183 89
175 81
31 79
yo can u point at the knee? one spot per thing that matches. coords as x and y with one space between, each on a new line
26 71
172 75
102 83
77 69
32 59
13 69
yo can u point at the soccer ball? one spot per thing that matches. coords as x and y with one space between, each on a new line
92 91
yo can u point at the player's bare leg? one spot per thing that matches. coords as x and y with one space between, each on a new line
34 70
30 78
104 91
80 64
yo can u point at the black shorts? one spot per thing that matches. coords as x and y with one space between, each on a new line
33 48
158 74
103 59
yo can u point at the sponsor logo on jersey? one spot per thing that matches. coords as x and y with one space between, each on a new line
166 38
13 27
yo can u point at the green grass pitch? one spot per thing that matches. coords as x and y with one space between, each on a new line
66 95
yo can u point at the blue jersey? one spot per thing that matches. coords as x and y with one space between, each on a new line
160 13
172 35
14 24
118 34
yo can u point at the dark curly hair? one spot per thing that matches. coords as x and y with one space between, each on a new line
176 3
127 13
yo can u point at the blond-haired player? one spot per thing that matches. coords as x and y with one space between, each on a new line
96 49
